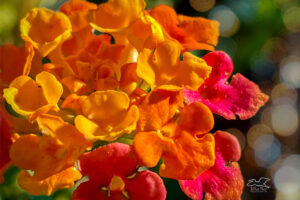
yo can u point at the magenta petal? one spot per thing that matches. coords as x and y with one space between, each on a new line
224 180
241 97
147 186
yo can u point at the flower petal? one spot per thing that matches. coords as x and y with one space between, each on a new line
241 97
108 160
224 180
147 186
192 32
107 115
118 14
47 186
45 29
45 155
184 156
196 118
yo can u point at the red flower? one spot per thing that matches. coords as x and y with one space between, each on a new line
113 174
241 97
5 144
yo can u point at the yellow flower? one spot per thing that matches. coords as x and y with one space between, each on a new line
45 29
106 116
33 98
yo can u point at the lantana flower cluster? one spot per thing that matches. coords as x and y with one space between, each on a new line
101 94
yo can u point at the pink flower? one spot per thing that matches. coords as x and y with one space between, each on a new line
241 97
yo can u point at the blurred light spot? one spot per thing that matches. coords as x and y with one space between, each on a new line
257 130
265 117
274 49
245 10
290 70
8 17
292 161
263 142
239 135
267 150
291 19
229 22
285 119
287 180
283 90
202 5
284 4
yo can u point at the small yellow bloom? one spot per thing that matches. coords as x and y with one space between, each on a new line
32 98
45 29
106 116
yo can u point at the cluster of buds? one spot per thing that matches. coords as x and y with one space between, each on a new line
101 94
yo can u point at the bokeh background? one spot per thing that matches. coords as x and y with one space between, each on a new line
263 39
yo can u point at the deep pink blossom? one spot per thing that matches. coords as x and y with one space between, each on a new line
241 97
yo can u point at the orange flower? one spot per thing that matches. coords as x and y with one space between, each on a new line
178 137
61 180
45 29
106 116
118 14
14 62
78 12
192 32
32 98
162 66
51 157
96 66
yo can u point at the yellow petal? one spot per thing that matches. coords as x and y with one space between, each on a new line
45 29
52 89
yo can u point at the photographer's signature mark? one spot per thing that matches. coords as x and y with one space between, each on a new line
258 186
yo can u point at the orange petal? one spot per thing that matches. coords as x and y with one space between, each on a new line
47 186
191 72
145 32
192 32
45 29
187 158
196 118
65 132
157 108
159 67
149 147
201 33
12 60
118 14
74 102
45 155
184 156
75 85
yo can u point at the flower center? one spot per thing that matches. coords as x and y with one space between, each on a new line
116 184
